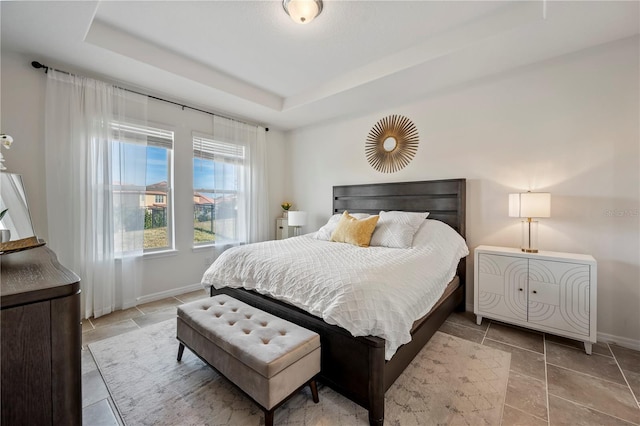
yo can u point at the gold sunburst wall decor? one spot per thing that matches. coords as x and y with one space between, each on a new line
392 143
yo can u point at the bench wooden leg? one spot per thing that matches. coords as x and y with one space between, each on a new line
314 391
268 418
180 351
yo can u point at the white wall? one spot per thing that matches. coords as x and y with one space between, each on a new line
22 96
23 92
569 126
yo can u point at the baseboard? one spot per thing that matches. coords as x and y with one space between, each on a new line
625 342
168 293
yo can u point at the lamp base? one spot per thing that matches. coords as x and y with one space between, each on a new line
529 236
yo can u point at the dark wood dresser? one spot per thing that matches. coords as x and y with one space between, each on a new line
41 342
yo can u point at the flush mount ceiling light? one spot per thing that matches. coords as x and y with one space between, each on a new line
302 11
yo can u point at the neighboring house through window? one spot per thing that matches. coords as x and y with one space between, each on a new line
217 180
144 170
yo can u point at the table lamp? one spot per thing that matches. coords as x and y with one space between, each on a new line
530 205
297 219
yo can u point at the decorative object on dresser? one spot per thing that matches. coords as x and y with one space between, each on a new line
5 141
40 340
15 219
5 234
297 220
530 205
392 143
546 291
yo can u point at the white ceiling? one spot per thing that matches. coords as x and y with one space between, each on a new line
249 60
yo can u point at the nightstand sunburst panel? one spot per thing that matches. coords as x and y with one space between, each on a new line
559 295
498 293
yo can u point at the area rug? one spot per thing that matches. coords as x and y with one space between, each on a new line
450 382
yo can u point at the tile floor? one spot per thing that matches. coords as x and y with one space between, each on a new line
97 406
551 382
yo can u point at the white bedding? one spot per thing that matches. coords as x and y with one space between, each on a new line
375 291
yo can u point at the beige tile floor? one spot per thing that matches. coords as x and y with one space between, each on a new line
97 405
551 382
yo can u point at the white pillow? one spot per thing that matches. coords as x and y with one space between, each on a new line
396 229
325 232
434 232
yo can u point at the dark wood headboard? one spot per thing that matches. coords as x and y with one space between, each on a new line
445 200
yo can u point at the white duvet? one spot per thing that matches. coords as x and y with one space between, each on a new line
375 291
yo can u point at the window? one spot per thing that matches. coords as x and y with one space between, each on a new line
217 177
142 159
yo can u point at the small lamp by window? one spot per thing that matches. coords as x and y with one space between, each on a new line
297 220
530 205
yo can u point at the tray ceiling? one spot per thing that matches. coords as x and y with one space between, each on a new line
248 59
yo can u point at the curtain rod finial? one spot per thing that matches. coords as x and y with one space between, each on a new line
37 65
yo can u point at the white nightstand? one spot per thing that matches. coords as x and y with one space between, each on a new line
282 229
546 291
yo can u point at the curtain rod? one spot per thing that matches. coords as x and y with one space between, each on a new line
38 65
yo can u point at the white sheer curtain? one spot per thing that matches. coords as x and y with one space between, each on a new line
253 209
258 220
95 226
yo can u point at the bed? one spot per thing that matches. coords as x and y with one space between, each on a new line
356 366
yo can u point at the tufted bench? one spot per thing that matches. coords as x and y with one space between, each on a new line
265 356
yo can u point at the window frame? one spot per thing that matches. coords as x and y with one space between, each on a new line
158 135
231 157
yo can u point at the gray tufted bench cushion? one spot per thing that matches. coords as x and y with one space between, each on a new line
265 356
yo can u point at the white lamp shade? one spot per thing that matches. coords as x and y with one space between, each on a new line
514 205
530 204
297 218
302 11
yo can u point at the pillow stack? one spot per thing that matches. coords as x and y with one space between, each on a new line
393 229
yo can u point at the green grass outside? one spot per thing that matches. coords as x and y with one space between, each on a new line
201 236
202 232
157 237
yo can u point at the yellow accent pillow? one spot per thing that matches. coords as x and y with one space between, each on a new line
353 231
